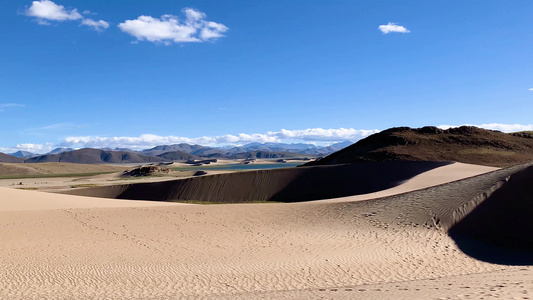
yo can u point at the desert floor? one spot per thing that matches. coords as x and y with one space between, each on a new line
391 244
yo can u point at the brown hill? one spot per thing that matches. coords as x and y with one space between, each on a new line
464 144
10 158
95 156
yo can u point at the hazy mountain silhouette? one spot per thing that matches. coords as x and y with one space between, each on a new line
95 156
23 154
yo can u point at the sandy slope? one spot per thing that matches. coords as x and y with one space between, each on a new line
281 185
62 247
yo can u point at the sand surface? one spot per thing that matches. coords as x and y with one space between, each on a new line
359 247
22 200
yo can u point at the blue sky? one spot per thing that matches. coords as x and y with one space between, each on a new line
117 74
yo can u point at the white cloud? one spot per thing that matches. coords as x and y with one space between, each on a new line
212 30
169 28
311 136
319 134
149 140
4 105
496 126
33 148
531 89
96 25
48 10
392 27
9 105
56 126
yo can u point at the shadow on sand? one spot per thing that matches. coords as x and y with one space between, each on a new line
500 229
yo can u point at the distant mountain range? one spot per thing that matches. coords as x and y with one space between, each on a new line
60 150
23 154
464 144
197 150
94 156
176 152
26 154
300 148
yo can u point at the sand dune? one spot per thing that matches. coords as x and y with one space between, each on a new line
397 247
282 185
503 219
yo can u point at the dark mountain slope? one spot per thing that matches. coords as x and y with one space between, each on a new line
464 144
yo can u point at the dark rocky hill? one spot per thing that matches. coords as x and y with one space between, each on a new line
464 144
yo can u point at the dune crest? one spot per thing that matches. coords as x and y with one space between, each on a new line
499 227
281 185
